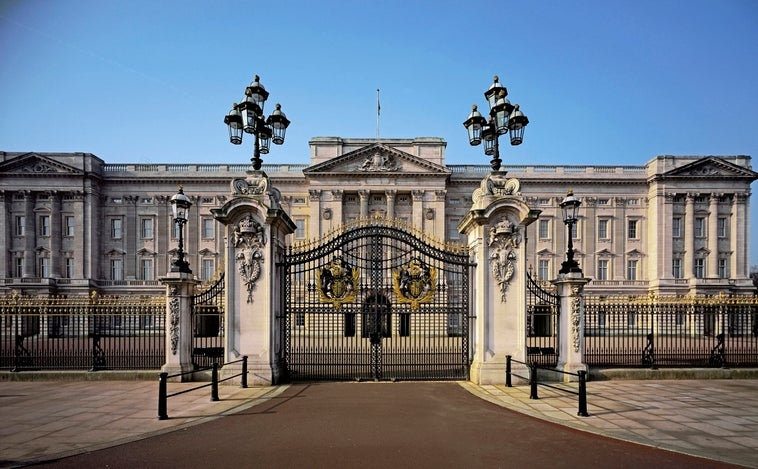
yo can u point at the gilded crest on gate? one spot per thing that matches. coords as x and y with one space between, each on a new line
414 283
337 283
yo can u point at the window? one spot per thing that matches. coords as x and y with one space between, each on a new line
300 228
633 202
723 268
602 201
147 228
44 267
20 225
631 319
117 269
117 227
632 229
44 225
676 268
208 228
602 269
722 227
631 269
700 227
544 229
543 269
543 202
69 226
452 229
146 268
69 267
699 268
207 270
676 227
602 228
19 267
146 200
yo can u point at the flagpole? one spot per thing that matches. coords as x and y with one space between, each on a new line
378 112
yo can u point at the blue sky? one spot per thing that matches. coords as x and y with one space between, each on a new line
603 82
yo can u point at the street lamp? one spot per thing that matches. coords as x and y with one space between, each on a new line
570 206
180 205
504 118
247 117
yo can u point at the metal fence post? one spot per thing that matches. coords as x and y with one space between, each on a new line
162 398
214 382
583 394
533 381
244 371
508 371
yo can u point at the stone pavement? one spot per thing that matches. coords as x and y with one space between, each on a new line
716 419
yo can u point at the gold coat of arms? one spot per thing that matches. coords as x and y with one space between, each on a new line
414 283
337 283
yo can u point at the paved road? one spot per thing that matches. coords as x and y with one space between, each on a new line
367 425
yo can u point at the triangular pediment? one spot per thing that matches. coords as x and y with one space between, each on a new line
634 253
376 159
31 164
604 253
711 167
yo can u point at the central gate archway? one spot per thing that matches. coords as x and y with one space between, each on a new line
375 300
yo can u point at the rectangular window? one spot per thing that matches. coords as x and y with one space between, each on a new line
299 228
602 228
722 227
146 267
544 229
723 268
676 227
631 269
69 267
117 269
452 229
44 225
632 229
147 228
602 269
602 201
117 228
631 319
700 227
44 267
20 225
699 268
209 226
69 226
676 268
208 269
543 270
19 267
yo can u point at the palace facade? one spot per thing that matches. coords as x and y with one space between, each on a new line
72 223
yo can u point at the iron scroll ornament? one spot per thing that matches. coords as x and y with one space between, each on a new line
337 283
414 283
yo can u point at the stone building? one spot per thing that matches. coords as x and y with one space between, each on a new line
72 223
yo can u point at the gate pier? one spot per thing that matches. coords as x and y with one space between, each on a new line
255 227
571 323
180 287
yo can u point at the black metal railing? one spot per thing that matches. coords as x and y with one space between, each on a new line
208 324
650 331
82 333
164 377
534 382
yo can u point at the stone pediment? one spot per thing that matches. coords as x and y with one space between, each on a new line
377 159
31 164
711 167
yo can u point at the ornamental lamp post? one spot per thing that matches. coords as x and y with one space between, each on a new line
180 205
503 118
570 206
247 117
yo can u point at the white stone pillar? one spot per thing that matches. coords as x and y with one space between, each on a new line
364 197
713 237
689 236
179 290
390 203
571 323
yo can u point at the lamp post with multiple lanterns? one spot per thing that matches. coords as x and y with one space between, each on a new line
570 207
504 118
247 117
180 205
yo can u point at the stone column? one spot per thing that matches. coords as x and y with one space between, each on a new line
30 235
315 229
739 236
417 217
179 290
364 196
713 237
571 323
689 236
56 225
390 203
6 222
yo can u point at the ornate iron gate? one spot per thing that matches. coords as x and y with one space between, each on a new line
373 301
542 310
208 325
